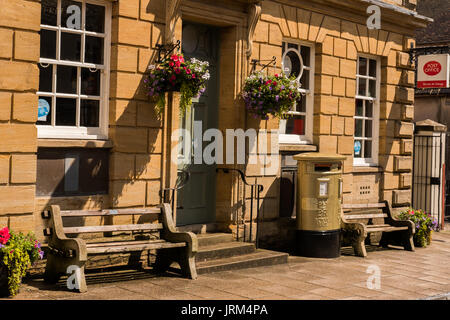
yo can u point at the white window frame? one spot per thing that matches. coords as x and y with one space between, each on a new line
373 161
77 132
309 96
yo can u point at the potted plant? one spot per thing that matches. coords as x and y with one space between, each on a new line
18 252
425 225
175 74
266 95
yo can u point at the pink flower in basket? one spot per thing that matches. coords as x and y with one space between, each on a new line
4 235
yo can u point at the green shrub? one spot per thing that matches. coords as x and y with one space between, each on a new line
18 253
424 223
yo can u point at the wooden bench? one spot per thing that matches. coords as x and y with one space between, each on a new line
66 247
359 220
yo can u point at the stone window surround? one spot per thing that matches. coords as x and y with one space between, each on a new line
375 114
306 139
101 133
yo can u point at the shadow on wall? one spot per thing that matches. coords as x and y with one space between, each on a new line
135 159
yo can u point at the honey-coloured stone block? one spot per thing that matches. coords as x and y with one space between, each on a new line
23 168
402 163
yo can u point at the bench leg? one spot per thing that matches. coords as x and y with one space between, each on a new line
53 270
187 263
384 241
408 242
163 261
359 247
82 287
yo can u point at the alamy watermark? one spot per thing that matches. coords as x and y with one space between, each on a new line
374 20
248 147
374 280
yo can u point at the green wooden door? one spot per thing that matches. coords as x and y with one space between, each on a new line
196 201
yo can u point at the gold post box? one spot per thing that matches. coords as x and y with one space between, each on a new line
319 182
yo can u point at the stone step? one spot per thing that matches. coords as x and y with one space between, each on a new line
224 250
210 239
258 258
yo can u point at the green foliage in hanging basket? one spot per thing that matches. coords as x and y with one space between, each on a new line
175 74
425 225
18 252
266 95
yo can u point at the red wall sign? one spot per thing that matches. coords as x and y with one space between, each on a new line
432 68
433 71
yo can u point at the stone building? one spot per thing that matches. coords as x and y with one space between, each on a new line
78 130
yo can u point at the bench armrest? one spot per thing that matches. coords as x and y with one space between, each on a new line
59 240
170 234
395 222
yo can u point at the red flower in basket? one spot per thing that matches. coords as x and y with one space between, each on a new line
4 235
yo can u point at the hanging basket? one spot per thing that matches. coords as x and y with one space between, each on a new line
4 289
176 75
266 95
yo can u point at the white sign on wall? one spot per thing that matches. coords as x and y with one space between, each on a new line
433 71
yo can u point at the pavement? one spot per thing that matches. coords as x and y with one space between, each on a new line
403 275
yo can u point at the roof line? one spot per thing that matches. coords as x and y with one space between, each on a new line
398 9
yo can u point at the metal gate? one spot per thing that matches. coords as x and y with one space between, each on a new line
428 192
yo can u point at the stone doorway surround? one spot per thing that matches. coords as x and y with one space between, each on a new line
237 21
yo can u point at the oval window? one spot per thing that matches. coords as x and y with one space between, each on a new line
292 63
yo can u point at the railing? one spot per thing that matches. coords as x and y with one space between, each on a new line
168 194
256 190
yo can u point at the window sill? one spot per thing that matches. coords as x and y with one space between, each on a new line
298 147
68 143
366 169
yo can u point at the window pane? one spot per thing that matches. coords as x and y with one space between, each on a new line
66 111
70 46
94 50
48 44
291 64
368 131
305 79
90 82
372 68
45 78
66 79
362 87
362 66
89 113
357 149
71 14
306 54
368 149
358 128
49 12
372 88
44 111
293 45
369 109
301 106
359 108
295 125
95 18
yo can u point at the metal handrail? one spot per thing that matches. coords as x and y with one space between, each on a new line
256 189
179 185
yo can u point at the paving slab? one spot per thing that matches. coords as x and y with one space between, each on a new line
404 275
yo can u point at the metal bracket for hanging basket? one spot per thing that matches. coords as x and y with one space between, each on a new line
166 50
255 61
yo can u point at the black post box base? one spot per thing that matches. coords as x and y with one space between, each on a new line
318 244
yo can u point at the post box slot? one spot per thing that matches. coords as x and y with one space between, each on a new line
322 167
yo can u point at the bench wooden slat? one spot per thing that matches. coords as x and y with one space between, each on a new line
135 247
363 205
110 212
386 229
121 243
366 216
124 227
